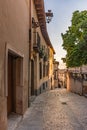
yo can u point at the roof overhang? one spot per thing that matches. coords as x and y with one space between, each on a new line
40 10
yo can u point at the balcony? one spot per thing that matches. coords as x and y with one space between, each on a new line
36 48
36 45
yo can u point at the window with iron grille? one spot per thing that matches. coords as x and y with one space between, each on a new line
40 70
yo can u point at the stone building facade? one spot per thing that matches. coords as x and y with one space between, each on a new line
56 80
24 71
51 68
41 51
62 77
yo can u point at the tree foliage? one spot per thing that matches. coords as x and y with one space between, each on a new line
75 40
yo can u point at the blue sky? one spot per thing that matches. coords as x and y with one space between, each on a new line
62 10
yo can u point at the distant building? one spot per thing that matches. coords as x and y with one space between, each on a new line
56 80
62 76
51 68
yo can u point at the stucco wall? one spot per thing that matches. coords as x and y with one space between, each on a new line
38 83
14 30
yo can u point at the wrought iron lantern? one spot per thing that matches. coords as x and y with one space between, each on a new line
49 16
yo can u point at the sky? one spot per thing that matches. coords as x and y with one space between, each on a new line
62 11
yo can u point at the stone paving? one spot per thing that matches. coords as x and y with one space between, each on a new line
56 110
13 120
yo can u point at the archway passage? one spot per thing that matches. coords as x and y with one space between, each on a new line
11 98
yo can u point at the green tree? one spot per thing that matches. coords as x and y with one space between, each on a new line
75 40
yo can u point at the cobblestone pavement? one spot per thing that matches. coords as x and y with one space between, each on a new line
56 110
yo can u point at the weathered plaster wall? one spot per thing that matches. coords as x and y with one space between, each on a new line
74 85
14 25
37 81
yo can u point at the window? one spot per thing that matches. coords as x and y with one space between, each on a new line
40 70
43 69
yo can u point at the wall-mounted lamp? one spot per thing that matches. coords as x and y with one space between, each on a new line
49 16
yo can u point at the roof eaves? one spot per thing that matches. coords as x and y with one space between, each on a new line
39 5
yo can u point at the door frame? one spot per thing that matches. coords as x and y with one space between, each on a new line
14 52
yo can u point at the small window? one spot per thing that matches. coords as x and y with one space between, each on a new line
40 70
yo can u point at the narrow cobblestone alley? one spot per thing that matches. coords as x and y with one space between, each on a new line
56 110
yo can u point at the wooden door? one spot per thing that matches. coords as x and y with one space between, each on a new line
11 85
